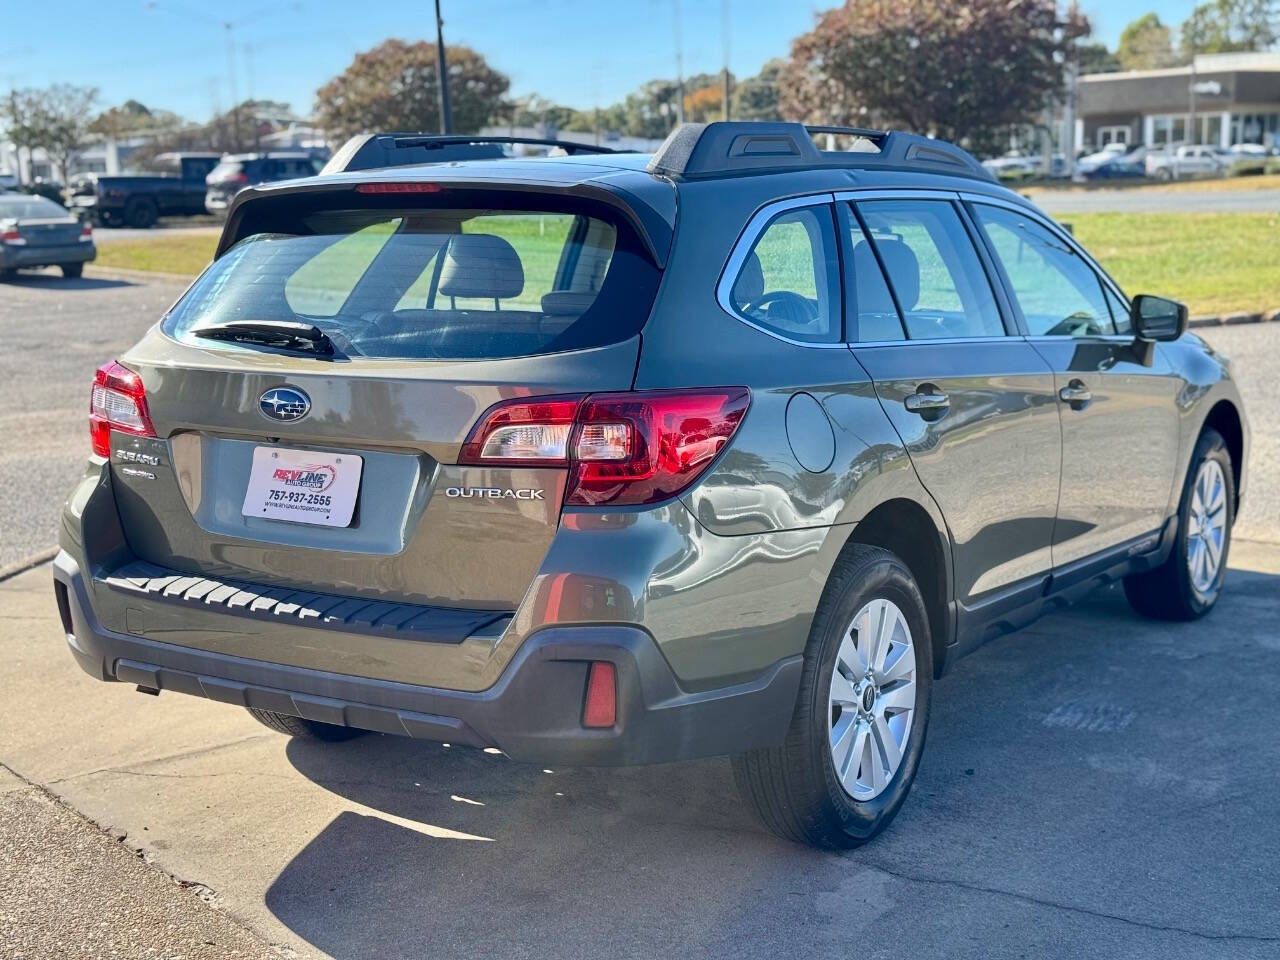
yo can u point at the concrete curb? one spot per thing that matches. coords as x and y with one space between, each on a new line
1231 319
126 274
22 566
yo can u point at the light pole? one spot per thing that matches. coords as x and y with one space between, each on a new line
442 75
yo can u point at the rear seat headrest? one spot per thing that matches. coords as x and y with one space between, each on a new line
481 265
903 267
565 303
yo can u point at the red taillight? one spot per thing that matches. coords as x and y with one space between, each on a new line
12 237
117 402
601 707
622 448
399 188
86 233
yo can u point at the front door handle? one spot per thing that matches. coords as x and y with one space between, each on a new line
929 404
1076 395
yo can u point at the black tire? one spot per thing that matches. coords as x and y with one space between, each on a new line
7 273
1164 173
1168 592
141 213
72 270
794 789
305 729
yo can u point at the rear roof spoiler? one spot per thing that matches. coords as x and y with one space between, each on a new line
703 150
371 151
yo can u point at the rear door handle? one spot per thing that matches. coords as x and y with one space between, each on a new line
930 405
1076 395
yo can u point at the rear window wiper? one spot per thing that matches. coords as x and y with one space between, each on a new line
281 334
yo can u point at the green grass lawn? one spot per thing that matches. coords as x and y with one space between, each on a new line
1215 262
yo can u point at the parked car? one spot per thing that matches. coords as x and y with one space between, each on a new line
139 200
1247 159
732 450
239 170
1186 161
1113 162
36 232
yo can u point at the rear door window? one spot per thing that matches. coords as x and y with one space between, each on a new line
435 283
937 278
789 282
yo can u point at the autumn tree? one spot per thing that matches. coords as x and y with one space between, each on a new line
1229 26
1146 44
964 71
393 87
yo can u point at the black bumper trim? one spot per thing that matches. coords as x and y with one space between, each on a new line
330 611
532 713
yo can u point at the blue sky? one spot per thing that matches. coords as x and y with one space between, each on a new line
173 53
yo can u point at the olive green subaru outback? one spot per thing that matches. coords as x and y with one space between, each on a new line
617 459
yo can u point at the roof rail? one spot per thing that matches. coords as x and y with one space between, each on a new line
701 150
368 151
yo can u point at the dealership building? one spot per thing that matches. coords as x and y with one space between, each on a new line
1222 99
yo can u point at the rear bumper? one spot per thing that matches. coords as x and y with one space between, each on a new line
28 256
533 712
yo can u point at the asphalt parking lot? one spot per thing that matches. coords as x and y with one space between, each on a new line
1095 785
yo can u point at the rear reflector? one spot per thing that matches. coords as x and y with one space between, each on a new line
621 448
601 708
399 188
117 402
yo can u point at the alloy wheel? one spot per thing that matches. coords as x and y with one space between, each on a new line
872 697
1206 526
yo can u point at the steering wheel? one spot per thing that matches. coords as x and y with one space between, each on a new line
810 312
1077 325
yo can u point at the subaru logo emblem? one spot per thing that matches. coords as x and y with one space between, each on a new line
284 403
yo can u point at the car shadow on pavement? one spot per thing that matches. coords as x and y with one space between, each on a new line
65 283
1087 775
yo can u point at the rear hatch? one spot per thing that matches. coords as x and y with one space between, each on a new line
282 464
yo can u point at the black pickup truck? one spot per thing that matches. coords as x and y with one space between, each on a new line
138 201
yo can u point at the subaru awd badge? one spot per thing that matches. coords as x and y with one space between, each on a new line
284 403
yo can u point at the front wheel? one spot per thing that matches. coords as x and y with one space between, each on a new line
1187 585
859 725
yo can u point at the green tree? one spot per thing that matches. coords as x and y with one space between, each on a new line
21 124
1096 58
1228 26
962 71
1145 44
58 118
393 87
756 98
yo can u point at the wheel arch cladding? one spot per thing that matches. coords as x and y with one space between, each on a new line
905 529
1225 418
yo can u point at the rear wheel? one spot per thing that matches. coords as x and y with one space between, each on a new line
1187 585
141 213
859 726
72 270
300 727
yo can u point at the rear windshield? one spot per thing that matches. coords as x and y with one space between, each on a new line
29 208
433 283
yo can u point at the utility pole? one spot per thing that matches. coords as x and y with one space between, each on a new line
725 92
442 75
1193 135
675 6
231 78
1069 107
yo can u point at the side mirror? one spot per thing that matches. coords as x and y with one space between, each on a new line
1155 318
